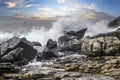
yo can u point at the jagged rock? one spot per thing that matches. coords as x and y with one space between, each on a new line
69 42
50 50
15 56
78 34
63 39
115 23
72 45
51 44
36 44
17 47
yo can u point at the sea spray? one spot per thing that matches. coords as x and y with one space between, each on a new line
71 23
67 24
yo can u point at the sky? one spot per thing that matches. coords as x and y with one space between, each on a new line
52 9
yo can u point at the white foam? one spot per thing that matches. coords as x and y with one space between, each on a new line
75 23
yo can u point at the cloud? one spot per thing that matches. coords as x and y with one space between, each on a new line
90 16
45 9
13 3
93 7
10 4
93 15
62 1
30 5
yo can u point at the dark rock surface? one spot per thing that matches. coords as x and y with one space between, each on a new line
16 48
115 23
36 44
70 41
63 39
50 50
13 56
78 34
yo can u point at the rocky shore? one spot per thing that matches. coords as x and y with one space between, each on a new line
72 57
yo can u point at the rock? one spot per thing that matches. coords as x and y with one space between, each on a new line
72 45
109 57
48 54
50 50
15 56
63 39
72 67
69 41
101 46
67 79
78 34
113 61
17 47
114 73
36 44
115 23
112 50
72 58
11 76
115 33
8 68
51 44
90 67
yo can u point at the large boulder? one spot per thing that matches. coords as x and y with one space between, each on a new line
16 48
50 50
101 46
15 56
78 34
63 39
72 45
70 41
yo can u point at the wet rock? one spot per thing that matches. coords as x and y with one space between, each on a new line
8 68
69 42
36 44
63 39
78 34
10 47
74 46
114 23
50 50
16 56
51 44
